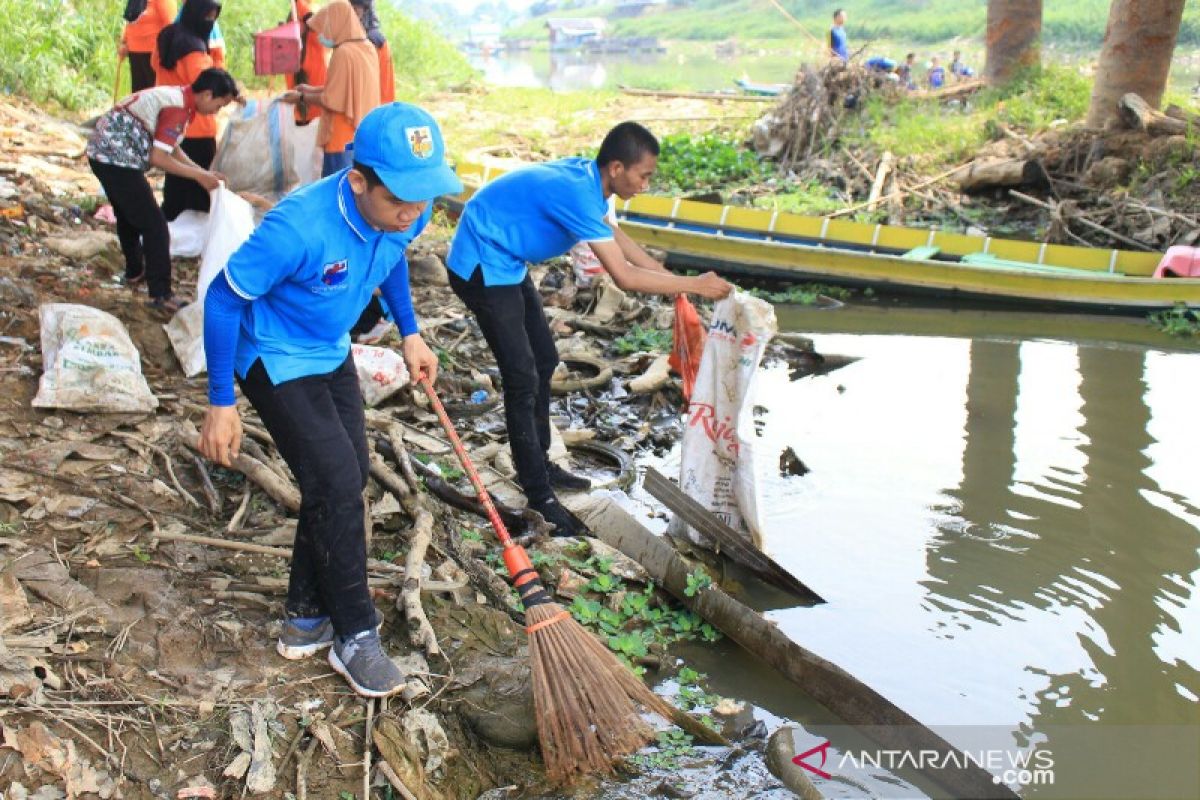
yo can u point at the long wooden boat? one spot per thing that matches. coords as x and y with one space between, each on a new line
774 244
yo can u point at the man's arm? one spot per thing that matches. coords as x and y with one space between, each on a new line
420 360
633 251
634 278
168 163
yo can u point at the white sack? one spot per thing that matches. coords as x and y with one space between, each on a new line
718 442
188 232
231 221
257 153
89 362
381 372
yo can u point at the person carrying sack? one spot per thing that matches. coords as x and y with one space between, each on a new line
144 20
351 88
277 318
530 215
181 53
142 131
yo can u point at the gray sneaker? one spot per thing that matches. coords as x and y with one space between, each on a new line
362 662
296 642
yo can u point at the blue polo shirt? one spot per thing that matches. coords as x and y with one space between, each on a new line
304 276
839 43
529 215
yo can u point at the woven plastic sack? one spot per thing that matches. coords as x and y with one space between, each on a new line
687 346
230 223
89 363
257 153
718 441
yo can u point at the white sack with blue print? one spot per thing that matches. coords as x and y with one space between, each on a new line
718 439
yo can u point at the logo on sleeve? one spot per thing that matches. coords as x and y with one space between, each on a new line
420 141
335 273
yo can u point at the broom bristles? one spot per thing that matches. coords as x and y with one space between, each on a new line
588 702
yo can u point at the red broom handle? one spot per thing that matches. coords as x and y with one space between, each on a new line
468 467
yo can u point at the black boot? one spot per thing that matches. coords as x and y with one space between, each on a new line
561 479
565 523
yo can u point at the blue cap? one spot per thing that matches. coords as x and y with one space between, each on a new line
404 146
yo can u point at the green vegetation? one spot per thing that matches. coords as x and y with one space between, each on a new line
694 163
65 53
1178 321
641 340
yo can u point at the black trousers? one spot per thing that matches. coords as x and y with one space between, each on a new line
317 423
141 226
184 194
516 330
141 73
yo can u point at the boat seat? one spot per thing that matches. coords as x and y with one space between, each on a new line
923 253
989 260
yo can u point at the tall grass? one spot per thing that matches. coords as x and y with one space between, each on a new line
63 52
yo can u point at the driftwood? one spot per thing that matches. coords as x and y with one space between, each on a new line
1054 209
420 632
886 161
1138 115
284 493
850 699
740 98
993 173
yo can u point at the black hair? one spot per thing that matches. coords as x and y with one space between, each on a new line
627 143
371 176
217 81
839 11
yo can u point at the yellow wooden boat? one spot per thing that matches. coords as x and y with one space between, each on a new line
774 244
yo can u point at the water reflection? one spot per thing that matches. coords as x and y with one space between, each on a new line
1006 530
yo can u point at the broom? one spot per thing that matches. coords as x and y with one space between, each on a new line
586 700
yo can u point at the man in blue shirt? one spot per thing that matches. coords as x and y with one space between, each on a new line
530 215
278 318
839 43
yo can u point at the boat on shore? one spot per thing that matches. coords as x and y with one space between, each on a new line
771 244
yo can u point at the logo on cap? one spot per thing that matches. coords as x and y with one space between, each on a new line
420 141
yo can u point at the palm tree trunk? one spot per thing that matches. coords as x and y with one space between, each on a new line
1136 55
1014 33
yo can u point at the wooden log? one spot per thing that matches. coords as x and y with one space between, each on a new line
849 698
284 493
994 173
885 167
1138 115
420 632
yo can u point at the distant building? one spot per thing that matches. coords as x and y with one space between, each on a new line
573 33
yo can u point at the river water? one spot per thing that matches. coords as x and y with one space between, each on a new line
699 66
1003 514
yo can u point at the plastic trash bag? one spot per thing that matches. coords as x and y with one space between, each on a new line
687 346
381 372
718 440
231 221
89 363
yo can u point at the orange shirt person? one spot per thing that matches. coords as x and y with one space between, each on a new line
181 53
312 67
351 87
137 40
370 22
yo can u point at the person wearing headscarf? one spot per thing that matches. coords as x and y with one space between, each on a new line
181 53
144 19
312 63
351 87
370 23
216 42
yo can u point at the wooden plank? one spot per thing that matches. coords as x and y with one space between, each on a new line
729 541
854 702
